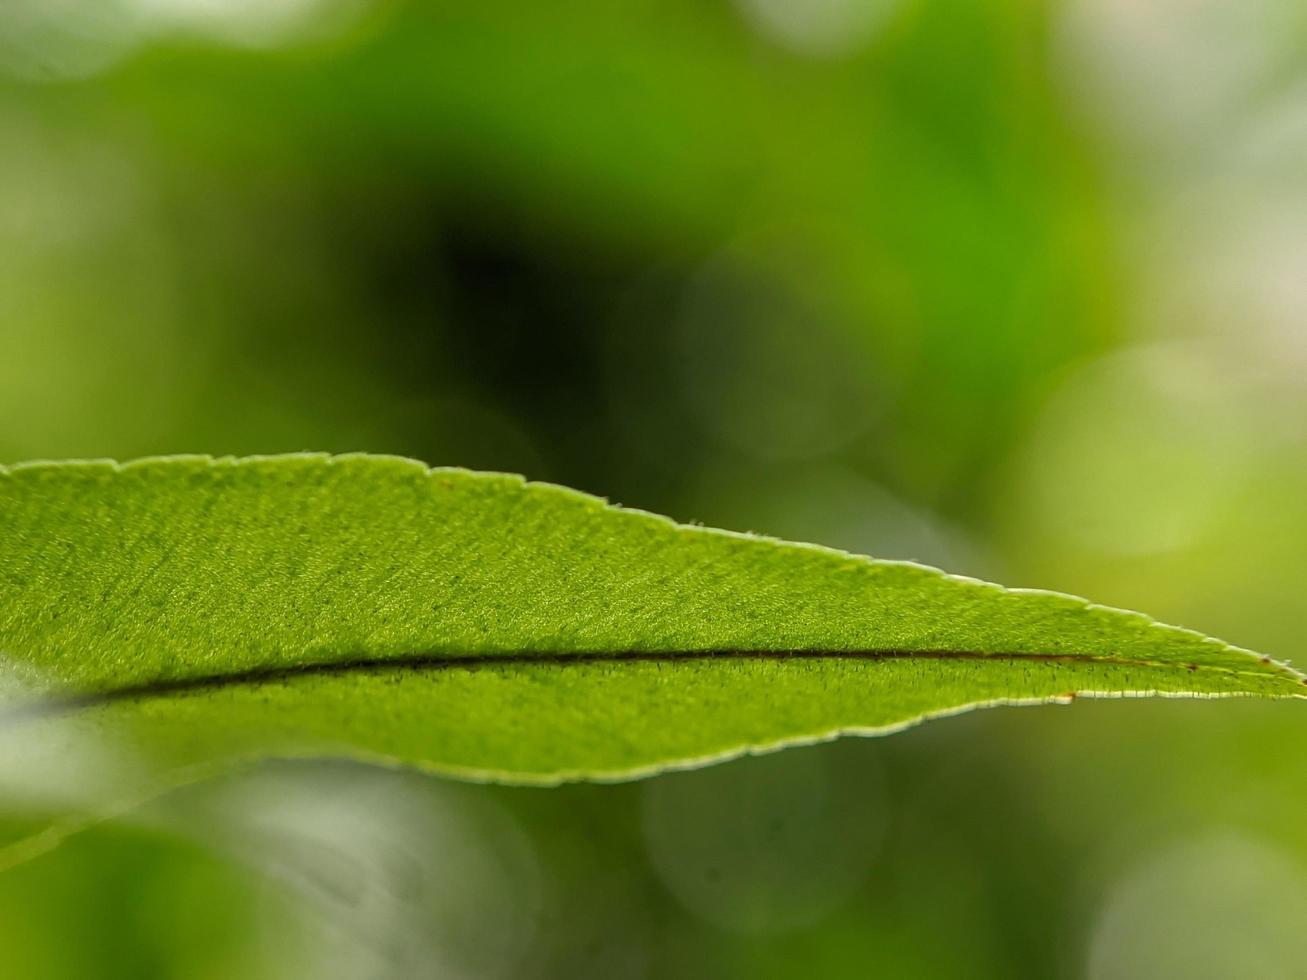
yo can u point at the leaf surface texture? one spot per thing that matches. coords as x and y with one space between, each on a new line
203 611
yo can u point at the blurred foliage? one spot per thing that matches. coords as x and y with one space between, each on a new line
1013 287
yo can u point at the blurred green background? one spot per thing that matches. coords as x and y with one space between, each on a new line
1015 288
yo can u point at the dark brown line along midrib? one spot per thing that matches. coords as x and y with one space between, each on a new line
265 675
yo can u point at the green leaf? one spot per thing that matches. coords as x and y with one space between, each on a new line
204 611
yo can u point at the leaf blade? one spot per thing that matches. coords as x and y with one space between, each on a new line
483 626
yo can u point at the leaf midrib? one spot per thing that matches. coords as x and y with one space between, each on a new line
62 703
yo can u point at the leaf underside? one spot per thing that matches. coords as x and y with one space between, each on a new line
205 611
